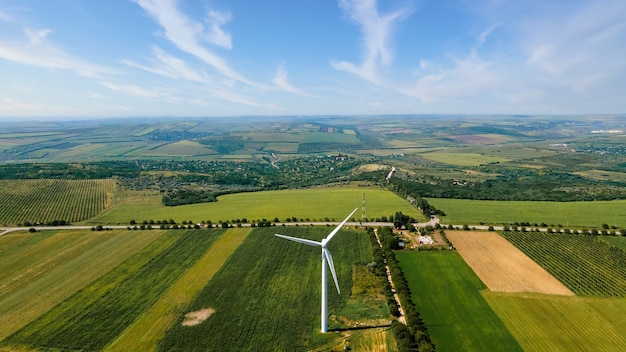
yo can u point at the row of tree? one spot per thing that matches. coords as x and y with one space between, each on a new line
413 336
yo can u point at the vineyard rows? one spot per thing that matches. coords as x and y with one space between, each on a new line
45 200
585 264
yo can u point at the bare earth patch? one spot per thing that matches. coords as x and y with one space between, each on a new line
197 317
503 267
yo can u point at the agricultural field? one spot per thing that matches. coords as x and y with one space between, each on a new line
619 242
558 323
181 284
462 158
270 287
45 200
447 294
99 312
568 214
41 270
315 204
585 264
501 266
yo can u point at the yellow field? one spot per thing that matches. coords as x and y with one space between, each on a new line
501 266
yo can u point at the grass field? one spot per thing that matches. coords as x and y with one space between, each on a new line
314 204
47 200
557 323
44 269
447 293
590 214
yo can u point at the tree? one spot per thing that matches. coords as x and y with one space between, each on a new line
400 220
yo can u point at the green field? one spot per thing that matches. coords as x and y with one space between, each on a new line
42 270
314 204
447 294
266 297
51 199
590 214
131 290
619 242
462 159
161 315
587 265
98 313
557 323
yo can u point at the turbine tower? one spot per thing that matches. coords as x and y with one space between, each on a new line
326 258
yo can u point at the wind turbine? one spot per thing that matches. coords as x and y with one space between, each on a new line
326 258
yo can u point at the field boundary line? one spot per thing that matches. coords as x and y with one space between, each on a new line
146 332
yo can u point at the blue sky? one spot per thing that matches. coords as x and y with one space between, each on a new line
127 58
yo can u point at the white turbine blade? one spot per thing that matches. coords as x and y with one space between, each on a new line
331 265
330 235
301 240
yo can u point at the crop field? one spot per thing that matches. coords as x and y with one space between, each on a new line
314 204
106 290
592 214
98 313
558 323
619 242
462 159
603 175
585 264
47 200
43 269
182 148
160 316
447 294
266 296
503 267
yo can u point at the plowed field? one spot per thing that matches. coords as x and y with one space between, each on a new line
501 266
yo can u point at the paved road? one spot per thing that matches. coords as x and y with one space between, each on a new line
5 230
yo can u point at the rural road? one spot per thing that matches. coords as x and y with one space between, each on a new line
5 230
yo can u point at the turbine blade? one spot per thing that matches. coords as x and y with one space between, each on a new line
330 235
331 265
301 240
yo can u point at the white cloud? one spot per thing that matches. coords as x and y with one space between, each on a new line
14 107
580 49
164 64
464 78
39 51
4 17
217 36
377 30
281 81
135 90
188 35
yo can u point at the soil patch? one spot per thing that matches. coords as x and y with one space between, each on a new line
501 266
197 317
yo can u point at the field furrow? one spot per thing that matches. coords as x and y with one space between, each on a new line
585 264
45 200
